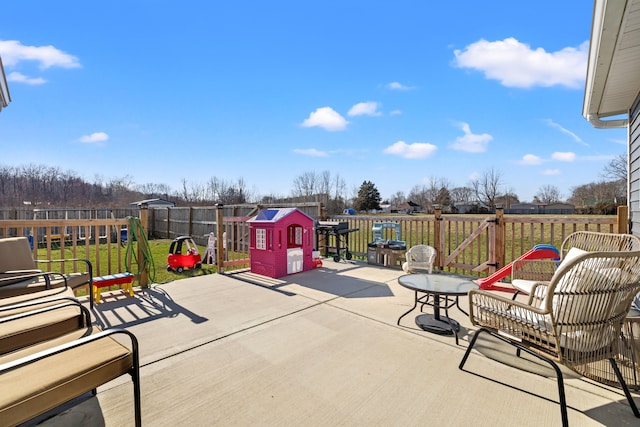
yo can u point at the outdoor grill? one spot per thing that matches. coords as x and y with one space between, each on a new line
339 233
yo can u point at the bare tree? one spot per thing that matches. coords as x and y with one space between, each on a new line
397 199
596 192
617 169
487 187
462 195
419 194
547 194
305 185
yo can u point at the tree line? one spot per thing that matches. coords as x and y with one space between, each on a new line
41 185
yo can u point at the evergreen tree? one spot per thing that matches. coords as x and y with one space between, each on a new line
368 197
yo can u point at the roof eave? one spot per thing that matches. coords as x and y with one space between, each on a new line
605 29
5 96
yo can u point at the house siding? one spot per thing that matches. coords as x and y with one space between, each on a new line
634 166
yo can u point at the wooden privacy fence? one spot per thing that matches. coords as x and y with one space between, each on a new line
199 222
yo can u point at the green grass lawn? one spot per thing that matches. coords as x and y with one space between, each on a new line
159 250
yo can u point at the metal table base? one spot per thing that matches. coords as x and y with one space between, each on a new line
443 326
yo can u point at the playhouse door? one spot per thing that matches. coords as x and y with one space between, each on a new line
294 260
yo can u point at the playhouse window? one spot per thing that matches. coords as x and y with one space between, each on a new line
261 238
294 236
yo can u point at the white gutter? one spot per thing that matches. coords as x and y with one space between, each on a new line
605 27
5 97
598 123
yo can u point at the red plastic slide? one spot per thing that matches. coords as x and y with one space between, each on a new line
538 252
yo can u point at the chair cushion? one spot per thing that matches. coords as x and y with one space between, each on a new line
36 284
571 255
34 296
523 285
34 389
29 330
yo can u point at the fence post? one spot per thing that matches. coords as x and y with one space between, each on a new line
144 222
168 223
500 240
151 223
220 237
437 241
623 219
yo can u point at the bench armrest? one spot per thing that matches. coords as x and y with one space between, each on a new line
17 276
63 260
70 345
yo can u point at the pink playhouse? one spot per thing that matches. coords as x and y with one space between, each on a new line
281 242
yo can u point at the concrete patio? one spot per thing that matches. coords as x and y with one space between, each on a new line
321 348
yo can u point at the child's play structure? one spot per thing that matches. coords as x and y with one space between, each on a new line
281 242
541 251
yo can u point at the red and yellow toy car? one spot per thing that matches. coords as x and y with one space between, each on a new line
183 255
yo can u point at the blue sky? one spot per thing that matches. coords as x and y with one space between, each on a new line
398 93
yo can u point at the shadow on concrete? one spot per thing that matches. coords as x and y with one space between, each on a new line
320 279
148 304
83 411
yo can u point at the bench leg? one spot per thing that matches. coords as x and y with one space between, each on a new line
96 294
128 288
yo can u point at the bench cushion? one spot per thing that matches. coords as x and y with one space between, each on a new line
29 330
46 294
37 284
31 390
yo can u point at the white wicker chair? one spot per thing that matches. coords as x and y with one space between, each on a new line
419 258
575 319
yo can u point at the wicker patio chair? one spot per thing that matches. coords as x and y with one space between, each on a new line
525 273
575 319
419 258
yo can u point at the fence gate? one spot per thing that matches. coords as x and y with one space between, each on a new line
467 244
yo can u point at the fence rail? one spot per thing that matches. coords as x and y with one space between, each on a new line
468 244
99 240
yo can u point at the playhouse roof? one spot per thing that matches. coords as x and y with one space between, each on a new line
275 215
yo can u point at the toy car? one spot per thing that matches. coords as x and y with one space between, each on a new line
183 255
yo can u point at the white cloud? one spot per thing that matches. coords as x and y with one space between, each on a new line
516 64
417 150
564 157
17 77
13 52
310 152
530 159
369 108
551 172
395 112
469 142
398 86
94 138
326 118
565 131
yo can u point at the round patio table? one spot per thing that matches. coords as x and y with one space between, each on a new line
438 291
